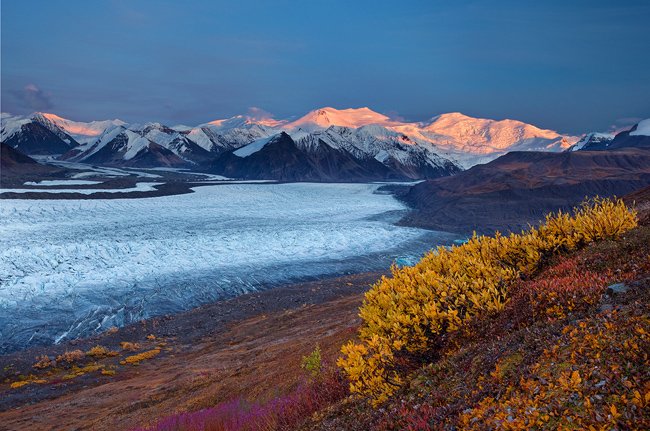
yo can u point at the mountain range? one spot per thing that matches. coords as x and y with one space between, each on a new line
326 144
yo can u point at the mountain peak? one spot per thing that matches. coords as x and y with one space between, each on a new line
238 121
77 128
323 118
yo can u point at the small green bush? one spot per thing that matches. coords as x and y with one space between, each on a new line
312 363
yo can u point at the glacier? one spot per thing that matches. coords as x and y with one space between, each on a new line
71 268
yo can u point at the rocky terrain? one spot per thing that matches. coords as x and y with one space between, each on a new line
517 189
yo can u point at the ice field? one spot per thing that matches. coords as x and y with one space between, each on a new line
72 267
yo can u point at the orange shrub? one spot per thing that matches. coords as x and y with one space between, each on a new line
403 315
135 359
71 356
100 352
127 345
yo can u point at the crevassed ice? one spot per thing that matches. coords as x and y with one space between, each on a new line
61 183
71 267
139 187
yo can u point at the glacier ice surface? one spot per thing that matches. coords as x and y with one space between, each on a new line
69 268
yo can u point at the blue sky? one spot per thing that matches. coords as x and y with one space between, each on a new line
572 66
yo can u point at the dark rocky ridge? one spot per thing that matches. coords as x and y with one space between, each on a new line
34 138
518 188
281 159
112 154
16 167
621 140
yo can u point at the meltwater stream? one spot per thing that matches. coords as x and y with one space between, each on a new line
69 268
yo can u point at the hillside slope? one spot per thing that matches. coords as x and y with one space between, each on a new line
563 335
16 167
570 365
518 188
569 350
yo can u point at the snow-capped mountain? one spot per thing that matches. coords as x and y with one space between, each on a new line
241 130
241 121
177 142
637 136
411 158
29 136
477 140
11 124
464 139
280 157
591 140
119 146
642 128
81 131
323 118
194 146
441 146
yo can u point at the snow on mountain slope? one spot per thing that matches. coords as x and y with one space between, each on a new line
240 136
402 155
86 150
371 141
642 129
323 118
30 136
177 142
456 136
361 131
474 140
65 137
106 136
590 139
126 142
121 146
241 121
135 144
484 135
11 124
252 148
219 136
204 138
80 131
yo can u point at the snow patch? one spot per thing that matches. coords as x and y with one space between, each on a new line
78 129
139 187
642 129
61 183
11 124
135 144
592 137
252 148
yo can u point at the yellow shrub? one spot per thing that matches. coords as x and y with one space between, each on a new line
16 385
43 362
566 388
403 314
71 356
100 352
28 381
127 345
135 359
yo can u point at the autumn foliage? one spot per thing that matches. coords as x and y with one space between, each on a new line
406 315
602 383
284 412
